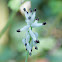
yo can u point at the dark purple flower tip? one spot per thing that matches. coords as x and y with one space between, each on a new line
25 44
30 10
24 9
26 49
27 12
44 23
30 54
35 9
31 50
36 19
37 41
29 17
18 30
36 48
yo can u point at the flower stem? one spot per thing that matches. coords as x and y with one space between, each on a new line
31 28
27 56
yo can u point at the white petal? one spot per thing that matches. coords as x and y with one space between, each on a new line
23 40
25 28
36 25
36 21
36 34
28 21
32 35
33 16
28 47
34 44
27 37
30 13
26 15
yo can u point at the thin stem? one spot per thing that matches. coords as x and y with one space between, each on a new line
31 28
26 60
8 23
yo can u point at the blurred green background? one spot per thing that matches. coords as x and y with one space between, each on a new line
50 36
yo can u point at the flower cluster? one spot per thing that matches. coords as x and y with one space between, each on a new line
31 37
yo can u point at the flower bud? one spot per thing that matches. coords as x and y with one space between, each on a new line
35 9
37 41
24 9
44 23
25 44
30 54
18 30
36 48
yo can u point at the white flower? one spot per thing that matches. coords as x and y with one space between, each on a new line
28 47
31 37
24 28
24 41
33 15
30 16
27 37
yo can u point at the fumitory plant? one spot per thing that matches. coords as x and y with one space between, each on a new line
31 37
